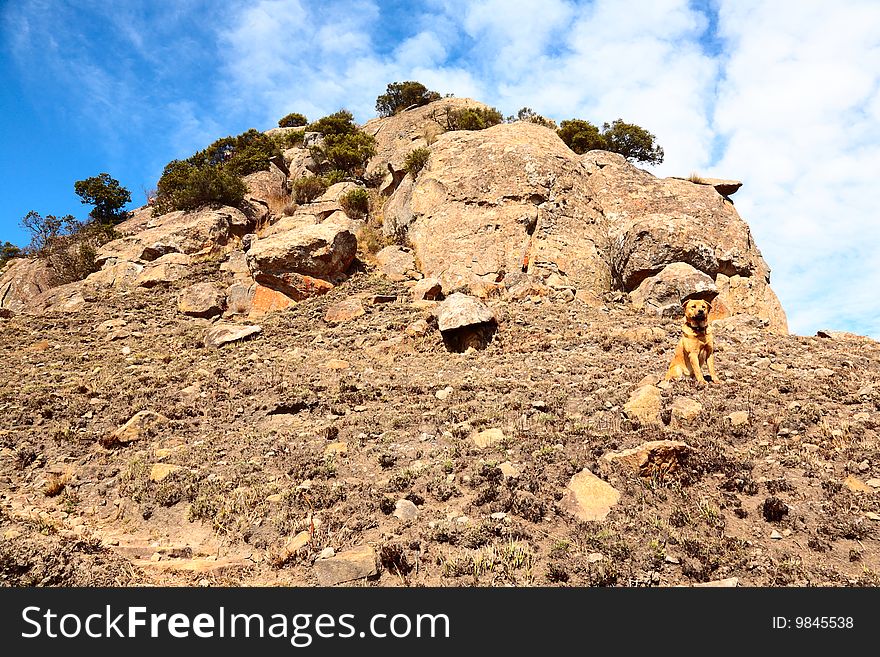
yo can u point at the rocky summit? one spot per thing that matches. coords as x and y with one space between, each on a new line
460 386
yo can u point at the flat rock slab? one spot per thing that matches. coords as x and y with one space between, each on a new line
644 405
588 497
729 582
223 333
459 310
487 438
356 563
344 311
199 566
142 425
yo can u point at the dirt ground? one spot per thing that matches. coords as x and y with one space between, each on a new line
319 428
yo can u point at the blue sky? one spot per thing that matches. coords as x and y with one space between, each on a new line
782 95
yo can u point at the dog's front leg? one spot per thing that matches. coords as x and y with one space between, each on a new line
694 360
710 363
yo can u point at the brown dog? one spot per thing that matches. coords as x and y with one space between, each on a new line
695 347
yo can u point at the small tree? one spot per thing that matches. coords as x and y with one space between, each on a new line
416 160
292 120
68 246
8 251
184 186
107 195
528 114
400 95
581 136
346 147
632 141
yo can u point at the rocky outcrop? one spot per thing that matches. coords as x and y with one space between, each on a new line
193 233
21 281
396 263
655 222
398 135
513 198
665 292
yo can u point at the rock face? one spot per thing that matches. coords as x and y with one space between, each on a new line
396 262
514 198
321 251
398 135
21 281
201 300
193 233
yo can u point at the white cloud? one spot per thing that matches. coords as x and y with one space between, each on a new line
798 106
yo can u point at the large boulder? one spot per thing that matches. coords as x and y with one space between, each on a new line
22 280
664 293
201 300
266 188
304 261
509 198
465 321
197 232
299 163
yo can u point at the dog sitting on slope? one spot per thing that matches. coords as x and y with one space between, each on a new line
694 349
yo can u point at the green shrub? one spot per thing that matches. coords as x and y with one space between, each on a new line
356 203
633 142
473 118
345 146
348 153
184 186
8 251
292 120
293 139
400 95
107 195
416 160
246 153
338 123
528 114
308 188
581 136
213 176
334 176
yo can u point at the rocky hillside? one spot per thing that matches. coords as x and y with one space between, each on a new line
462 387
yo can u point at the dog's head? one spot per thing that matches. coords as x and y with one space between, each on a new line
696 312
